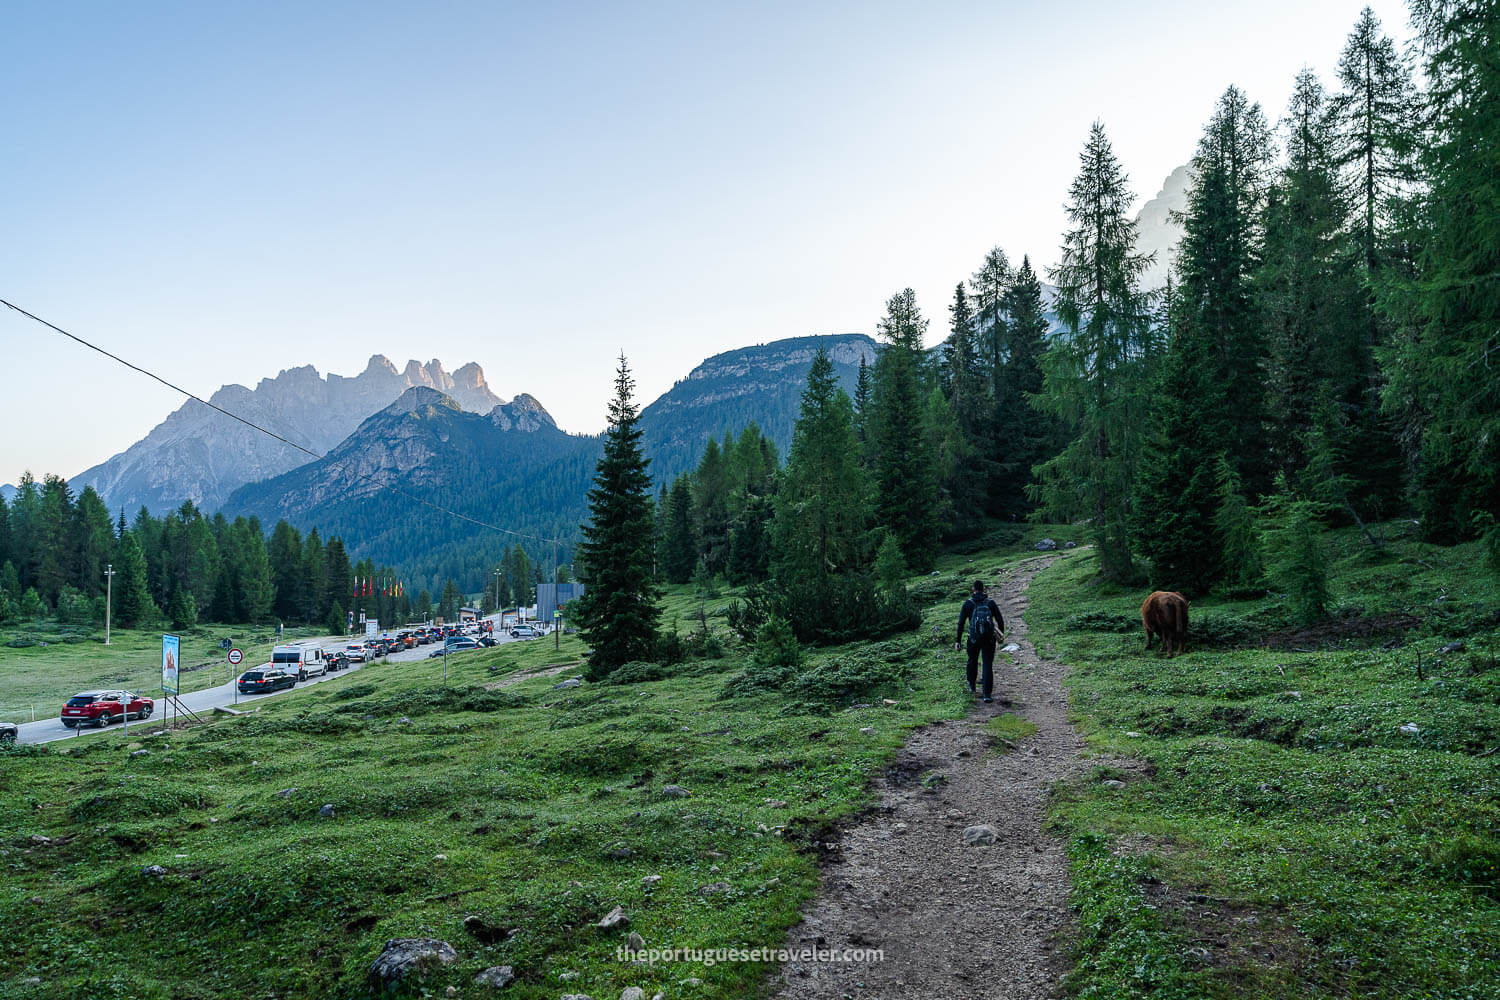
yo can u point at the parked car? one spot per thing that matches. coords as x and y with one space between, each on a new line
301 659
263 679
8 732
524 632
355 652
486 640
100 708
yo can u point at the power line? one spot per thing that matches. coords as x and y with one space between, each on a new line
292 444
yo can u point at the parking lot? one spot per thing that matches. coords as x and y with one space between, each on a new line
227 695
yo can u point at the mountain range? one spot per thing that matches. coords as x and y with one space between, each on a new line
512 468
199 454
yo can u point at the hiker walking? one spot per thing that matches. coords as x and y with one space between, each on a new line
982 616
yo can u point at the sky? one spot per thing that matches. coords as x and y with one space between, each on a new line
217 192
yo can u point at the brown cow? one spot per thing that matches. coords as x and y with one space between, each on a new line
1165 613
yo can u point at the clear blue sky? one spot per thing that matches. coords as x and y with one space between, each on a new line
221 191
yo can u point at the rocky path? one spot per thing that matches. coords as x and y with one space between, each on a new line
954 919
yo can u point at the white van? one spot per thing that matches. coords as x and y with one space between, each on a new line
302 660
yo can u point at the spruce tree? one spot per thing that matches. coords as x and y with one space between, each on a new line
314 578
862 410
133 606
1445 365
1218 316
906 482
823 506
617 614
962 433
988 287
1095 372
1176 492
1019 436
285 555
711 483
1310 294
680 550
340 575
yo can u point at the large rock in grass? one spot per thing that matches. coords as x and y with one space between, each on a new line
402 957
497 976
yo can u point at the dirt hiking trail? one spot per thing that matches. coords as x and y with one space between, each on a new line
955 920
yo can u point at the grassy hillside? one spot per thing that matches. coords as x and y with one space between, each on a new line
1273 831
41 667
506 820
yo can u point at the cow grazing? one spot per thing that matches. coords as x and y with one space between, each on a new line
1165 613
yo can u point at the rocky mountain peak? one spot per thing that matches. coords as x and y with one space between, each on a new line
524 413
379 364
421 397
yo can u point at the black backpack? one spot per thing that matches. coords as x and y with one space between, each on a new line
981 622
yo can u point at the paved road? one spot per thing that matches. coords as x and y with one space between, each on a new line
48 730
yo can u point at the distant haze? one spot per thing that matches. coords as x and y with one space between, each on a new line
219 192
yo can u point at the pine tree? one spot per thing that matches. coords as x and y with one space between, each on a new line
680 550
1293 542
1375 121
823 507
862 410
257 593
1096 369
339 588
988 287
1176 492
617 615
285 554
906 482
1309 291
452 599
1019 436
890 566
1218 317
711 508
337 622
95 542
1445 366
1235 525
314 578
133 607
56 542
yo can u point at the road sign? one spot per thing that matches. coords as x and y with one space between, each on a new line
235 656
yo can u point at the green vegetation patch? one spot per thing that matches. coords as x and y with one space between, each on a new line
1286 813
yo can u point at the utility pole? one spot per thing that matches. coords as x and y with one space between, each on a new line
109 593
496 575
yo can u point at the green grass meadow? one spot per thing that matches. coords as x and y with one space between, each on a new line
1278 833
1275 834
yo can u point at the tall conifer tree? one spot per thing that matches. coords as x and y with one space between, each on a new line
1094 372
618 612
1447 366
906 482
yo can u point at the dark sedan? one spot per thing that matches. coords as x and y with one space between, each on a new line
261 681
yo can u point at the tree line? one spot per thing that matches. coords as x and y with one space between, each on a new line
182 568
1324 352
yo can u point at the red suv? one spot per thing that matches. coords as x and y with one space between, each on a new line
100 708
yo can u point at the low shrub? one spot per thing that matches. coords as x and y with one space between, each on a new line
1101 621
